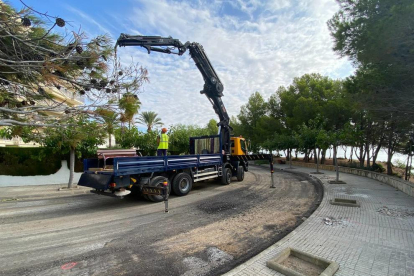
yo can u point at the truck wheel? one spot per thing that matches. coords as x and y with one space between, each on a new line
182 184
226 177
157 181
240 173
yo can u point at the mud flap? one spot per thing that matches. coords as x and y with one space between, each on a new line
96 181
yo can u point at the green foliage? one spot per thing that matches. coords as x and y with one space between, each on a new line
28 161
249 118
376 167
179 138
129 138
150 119
35 56
126 138
130 105
5 133
307 114
377 36
110 119
179 134
310 96
147 143
44 70
282 142
236 125
212 127
78 134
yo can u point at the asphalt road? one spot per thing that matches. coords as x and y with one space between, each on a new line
207 232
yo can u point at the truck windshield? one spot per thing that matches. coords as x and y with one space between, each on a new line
205 145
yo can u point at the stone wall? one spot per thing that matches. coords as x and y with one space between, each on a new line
398 183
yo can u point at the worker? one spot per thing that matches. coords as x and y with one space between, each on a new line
162 141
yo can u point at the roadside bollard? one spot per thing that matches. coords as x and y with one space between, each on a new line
271 175
165 184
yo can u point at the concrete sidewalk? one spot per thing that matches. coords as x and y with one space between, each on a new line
40 191
374 239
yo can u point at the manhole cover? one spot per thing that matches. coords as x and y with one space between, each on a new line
336 182
344 202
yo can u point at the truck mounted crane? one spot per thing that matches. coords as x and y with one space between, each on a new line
213 87
217 156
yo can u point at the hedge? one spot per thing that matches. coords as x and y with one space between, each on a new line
28 161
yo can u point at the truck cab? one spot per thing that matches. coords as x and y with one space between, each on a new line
238 146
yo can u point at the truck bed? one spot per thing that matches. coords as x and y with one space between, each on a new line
147 164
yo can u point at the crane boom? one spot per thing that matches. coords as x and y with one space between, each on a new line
213 87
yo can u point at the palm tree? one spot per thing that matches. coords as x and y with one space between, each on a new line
109 118
130 104
150 119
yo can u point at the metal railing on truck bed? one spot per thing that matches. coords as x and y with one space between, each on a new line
148 164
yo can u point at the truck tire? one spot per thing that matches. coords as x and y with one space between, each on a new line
240 173
157 181
226 177
182 184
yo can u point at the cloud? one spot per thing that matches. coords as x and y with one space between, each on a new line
253 46
90 21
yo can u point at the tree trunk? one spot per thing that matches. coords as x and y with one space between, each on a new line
351 154
361 156
345 148
375 155
290 159
336 162
316 156
391 146
389 164
109 141
407 168
323 156
71 167
317 159
368 156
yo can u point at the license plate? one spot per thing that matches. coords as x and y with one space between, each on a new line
152 191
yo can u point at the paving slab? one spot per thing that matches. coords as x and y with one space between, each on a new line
374 239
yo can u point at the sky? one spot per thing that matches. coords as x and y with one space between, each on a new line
254 45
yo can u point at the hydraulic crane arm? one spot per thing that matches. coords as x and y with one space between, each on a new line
213 87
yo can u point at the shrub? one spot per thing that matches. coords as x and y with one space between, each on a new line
377 168
28 161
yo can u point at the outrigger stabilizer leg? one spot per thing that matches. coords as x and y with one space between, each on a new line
271 172
165 195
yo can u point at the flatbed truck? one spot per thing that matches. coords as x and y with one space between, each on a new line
218 156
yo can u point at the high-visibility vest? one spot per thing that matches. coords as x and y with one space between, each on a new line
163 141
